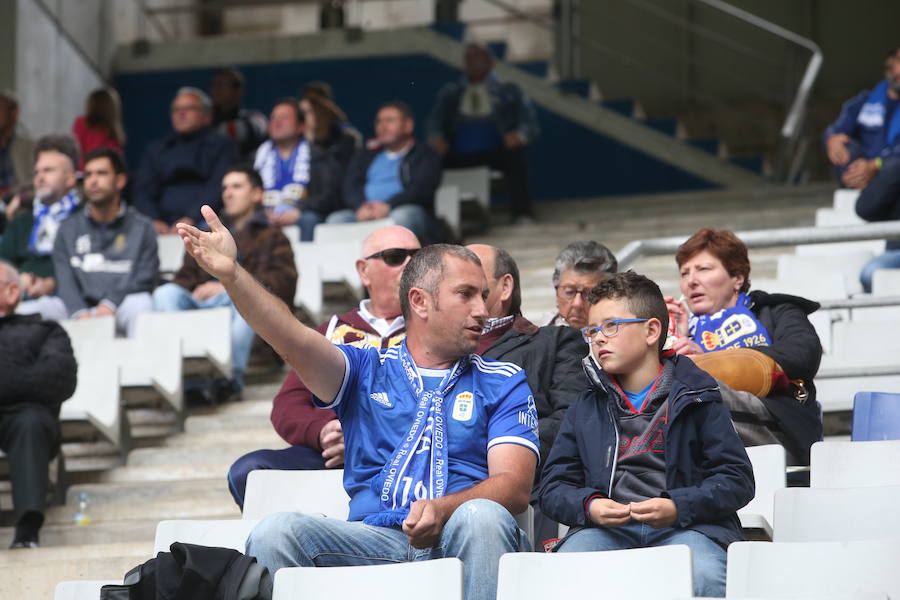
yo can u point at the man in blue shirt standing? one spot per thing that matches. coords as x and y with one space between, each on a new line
393 176
441 445
863 144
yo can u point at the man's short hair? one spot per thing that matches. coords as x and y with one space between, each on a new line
248 170
426 269
293 103
64 144
399 105
641 295
584 257
114 156
236 77
892 53
203 97
8 273
505 265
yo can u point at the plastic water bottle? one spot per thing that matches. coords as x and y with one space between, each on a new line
81 515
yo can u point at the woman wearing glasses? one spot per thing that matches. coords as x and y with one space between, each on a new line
721 313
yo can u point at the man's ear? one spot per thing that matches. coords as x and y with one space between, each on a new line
419 302
121 181
654 330
507 285
361 268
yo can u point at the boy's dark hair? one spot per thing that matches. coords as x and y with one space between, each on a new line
641 296
248 170
64 144
398 105
114 156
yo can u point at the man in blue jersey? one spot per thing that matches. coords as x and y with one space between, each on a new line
440 444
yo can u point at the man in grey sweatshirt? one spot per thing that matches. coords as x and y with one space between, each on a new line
105 256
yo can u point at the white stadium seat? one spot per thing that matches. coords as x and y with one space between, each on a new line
855 464
836 514
769 473
231 533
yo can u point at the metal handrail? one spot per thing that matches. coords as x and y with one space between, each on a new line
767 238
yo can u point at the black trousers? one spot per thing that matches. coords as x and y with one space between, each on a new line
512 162
30 438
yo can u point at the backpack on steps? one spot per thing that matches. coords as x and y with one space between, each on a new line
192 572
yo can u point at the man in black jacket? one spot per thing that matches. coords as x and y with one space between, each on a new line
37 373
394 176
550 356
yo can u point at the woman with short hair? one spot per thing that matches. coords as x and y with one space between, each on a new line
722 313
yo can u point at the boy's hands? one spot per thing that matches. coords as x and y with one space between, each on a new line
655 512
609 513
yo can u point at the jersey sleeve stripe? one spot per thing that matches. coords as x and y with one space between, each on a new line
340 394
513 439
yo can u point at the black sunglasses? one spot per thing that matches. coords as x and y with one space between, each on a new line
394 257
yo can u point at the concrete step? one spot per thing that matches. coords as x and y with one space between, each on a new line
177 472
219 422
131 530
221 506
100 494
263 437
34 573
191 455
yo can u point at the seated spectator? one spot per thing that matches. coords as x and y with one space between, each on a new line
263 250
395 176
580 266
550 356
481 121
679 472
28 241
37 373
244 126
315 435
183 171
101 124
16 150
105 256
864 147
461 496
715 281
283 164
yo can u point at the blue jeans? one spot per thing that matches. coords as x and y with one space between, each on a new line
412 216
707 557
889 260
293 458
307 224
171 297
478 533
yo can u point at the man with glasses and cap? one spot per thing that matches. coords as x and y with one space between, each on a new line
315 435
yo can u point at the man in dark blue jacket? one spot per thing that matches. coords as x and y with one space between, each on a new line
183 171
864 146
648 456
480 121
393 176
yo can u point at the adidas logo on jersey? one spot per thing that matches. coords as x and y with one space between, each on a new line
381 398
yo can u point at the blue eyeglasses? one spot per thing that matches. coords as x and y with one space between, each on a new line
608 328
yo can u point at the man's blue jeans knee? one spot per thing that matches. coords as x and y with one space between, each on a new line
478 533
889 260
708 558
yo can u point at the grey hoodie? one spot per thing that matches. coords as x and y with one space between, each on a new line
98 263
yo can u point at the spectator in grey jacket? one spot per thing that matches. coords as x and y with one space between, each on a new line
105 256
37 373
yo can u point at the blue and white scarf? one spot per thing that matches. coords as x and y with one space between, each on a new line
284 181
735 327
872 113
47 219
417 470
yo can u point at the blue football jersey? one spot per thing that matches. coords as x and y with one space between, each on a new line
490 404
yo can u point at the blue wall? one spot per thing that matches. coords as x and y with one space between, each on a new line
568 161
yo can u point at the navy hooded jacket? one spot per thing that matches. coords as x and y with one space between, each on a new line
708 473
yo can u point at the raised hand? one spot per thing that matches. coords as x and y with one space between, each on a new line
213 250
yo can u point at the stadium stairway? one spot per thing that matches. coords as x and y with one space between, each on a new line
172 474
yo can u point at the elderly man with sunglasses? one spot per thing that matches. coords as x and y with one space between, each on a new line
315 435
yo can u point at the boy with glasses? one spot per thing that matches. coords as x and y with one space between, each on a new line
648 455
